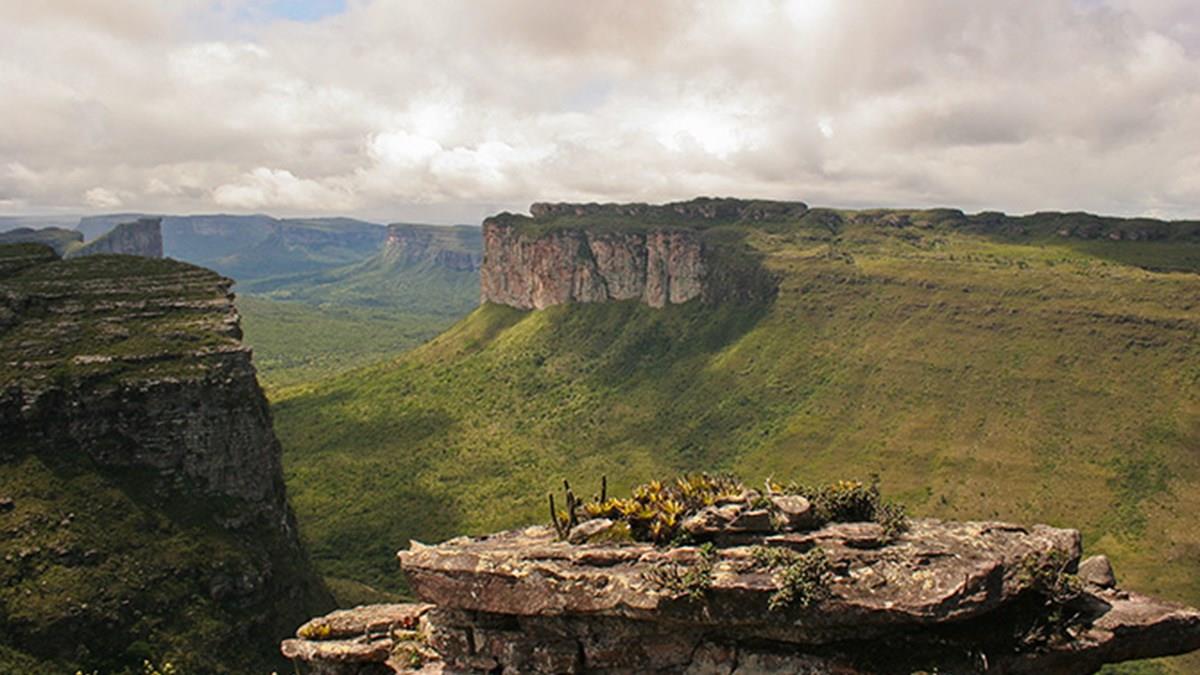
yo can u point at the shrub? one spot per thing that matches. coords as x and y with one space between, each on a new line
852 502
691 580
801 579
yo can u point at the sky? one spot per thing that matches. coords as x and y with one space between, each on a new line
451 110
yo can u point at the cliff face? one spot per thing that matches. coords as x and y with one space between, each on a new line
130 377
657 267
454 248
142 237
656 254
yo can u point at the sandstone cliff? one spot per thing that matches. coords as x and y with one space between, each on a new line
454 248
655 254
133 420
142 237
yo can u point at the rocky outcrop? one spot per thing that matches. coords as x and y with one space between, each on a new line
128 375
778 592
656 268
657 255
454 248
184 403
142 237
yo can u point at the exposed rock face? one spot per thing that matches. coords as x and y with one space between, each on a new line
941 597
454 248
132 370
657 268
657 255
142 237
191 411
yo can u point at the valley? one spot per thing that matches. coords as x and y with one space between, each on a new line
1035 369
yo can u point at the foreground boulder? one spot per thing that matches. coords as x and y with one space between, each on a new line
954 597
704 576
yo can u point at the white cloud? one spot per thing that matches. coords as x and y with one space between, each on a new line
280 188
102 198
452 109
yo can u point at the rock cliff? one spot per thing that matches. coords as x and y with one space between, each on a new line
454 248
761 583
655 254
128 376
142 237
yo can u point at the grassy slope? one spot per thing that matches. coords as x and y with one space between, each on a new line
1032 379
295 342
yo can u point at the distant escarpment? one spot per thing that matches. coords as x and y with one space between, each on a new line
655 254
146 506
454 248
142 237
58 238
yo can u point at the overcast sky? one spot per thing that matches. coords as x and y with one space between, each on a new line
446 111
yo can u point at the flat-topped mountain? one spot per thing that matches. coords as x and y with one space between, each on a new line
141 237
673 253
141 490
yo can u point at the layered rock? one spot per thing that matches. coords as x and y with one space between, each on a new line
657 255
940 596
128 374
142 237
454 248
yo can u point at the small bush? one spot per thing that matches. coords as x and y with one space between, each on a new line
801 579
1048 577
691 580
853 502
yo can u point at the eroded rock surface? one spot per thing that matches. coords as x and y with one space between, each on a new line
958 597
654 254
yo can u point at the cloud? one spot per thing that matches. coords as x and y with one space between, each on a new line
447 111
102 198
265 188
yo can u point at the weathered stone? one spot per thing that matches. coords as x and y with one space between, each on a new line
364 620
338 651
588 529
1128 626
1098 571
936 572
752 520
710 520
794 512
939 597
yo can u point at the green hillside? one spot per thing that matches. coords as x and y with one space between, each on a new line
298 342
305 326
1028 369
419 277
